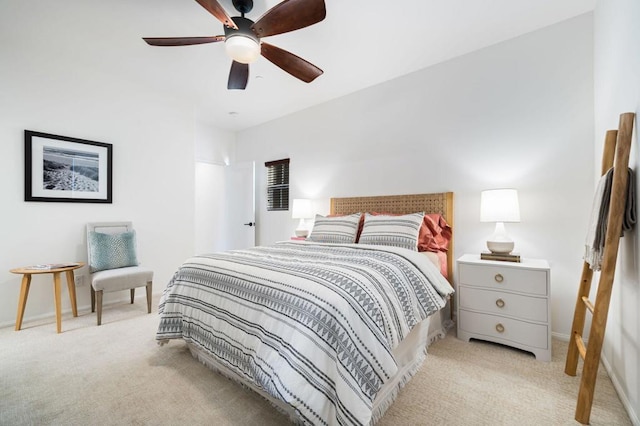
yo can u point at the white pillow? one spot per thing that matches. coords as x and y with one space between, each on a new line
338 229
398 231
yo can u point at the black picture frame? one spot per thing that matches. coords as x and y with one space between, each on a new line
65 169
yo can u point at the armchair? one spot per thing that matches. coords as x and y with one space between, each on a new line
113 262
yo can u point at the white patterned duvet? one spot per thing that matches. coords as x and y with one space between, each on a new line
313 325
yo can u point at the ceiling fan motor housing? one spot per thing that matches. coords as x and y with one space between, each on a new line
244 29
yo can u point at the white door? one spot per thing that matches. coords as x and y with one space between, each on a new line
241 206
210 205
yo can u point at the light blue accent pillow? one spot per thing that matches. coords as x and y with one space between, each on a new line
111 251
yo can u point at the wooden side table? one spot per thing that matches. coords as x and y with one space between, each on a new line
56 270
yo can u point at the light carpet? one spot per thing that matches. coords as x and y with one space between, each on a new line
116 374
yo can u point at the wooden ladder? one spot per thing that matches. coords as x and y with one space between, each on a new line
616 153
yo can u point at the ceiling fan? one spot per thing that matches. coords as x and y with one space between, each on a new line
242 37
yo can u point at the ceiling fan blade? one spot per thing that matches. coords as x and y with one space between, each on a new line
288 16
218 11
181 41
238 76
294 65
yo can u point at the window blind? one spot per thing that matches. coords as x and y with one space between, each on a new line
277 185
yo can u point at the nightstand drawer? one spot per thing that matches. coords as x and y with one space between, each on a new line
504 278
502 303
497 328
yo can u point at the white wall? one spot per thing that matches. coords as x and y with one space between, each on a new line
517 114
214 150
617 90
153 172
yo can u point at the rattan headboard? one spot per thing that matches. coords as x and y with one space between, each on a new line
441 202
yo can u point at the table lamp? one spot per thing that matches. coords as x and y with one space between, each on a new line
301 210
499 206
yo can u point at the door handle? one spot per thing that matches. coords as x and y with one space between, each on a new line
250 224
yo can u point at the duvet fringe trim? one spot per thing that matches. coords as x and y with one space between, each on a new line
379 409
440 333
202 356
382 408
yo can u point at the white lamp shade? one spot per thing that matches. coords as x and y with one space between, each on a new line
301 209
242 49
499 205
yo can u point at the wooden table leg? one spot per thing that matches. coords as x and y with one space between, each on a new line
71 284
22 301
57 290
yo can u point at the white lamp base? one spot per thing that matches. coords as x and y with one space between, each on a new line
500 247
302 233
301 230
499 242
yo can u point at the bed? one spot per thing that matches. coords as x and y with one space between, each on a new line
327 331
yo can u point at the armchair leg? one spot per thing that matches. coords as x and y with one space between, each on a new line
93 299
149 285
99 301
133 293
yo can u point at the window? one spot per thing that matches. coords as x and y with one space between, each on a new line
277 185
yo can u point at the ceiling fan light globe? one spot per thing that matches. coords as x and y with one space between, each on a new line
242 49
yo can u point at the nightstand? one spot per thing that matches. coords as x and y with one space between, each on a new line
505 302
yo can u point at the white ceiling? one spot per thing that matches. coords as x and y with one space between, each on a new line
360 43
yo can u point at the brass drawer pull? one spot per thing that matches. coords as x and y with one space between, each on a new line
500 328
499 278
500 303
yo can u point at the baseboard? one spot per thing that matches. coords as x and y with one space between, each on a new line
52 314
614 380
620 391
560 336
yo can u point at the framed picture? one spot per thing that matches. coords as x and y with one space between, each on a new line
64 169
